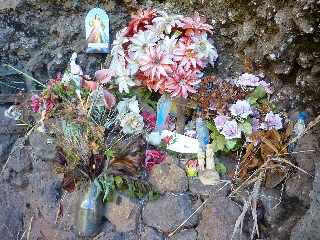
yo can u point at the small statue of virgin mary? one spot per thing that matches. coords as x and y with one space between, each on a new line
97 31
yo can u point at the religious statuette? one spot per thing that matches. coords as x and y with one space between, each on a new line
97 31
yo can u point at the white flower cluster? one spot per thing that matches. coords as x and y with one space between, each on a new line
128 114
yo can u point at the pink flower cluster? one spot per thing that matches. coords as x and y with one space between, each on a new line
153 157
164 52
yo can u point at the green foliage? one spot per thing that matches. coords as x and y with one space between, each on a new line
257 96
233 144
64 93
108 185
221 168
218 140
246 127
147 97
252 100
259 92
109 153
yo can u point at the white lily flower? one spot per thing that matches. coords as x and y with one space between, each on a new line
141 41
167 22
204 49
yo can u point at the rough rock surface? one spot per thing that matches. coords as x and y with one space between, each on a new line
277 38
168 212
308 227
150 233
218 219
168 177
123 213
188 234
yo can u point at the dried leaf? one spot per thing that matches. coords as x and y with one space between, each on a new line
68 182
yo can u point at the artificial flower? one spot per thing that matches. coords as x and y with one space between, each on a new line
241 109
219 121
49 104
157 30
181 83
123 79
128 105
204 49
255 124
272 121
231 130
156 63
103 76
167 139
149 119
167 22
35 103
187 57
140 20
195 25
133 64
117 45
168 44
266 86
132 123
153 157
248 79
141 42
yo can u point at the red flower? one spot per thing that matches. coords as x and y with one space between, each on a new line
167 139
152 158
140 20
49 105
149 119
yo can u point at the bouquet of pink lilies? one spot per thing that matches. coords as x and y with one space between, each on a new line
163 52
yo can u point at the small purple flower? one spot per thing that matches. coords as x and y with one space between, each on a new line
272 121
249 80
231 130
219 121
266 86
241 109
255 124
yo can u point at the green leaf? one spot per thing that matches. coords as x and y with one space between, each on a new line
212 127
221 168
152 196
259 92
109 153
131 190
246 127
231 144
119 181
218 143
252 100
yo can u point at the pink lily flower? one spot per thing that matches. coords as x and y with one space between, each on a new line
156 63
